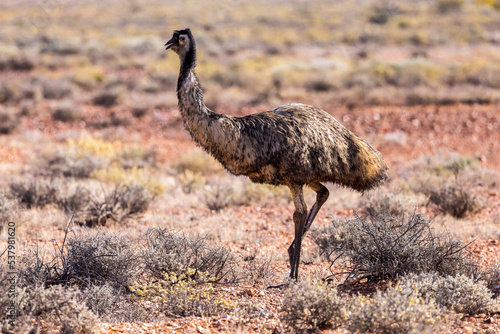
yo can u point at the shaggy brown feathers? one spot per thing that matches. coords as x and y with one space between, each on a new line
293 145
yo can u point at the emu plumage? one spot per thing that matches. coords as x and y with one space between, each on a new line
292 145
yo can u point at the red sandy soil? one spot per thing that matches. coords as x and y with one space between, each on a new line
402 134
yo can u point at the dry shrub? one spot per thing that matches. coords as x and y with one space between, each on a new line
218 195
71 166
56 89
76 201
136 157
455 199
131 199
448 6
380 202
182 296
114 305
311 305
396 310
7 211
383 246
95 258
459 293
197 162
263 194
123 202
66 111
103 257
383 12
56 306
139 111
255 270
18 62
37 193
190 181
9 120
492 278
172 252
108 98
448 182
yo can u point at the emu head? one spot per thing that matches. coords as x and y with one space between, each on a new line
182 43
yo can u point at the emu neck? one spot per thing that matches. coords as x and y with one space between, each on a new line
193 110
203 124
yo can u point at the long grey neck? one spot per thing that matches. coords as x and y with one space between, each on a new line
210 130
196 116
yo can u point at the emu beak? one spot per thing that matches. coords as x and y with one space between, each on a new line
170 43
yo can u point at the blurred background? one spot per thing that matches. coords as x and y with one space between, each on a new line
70 54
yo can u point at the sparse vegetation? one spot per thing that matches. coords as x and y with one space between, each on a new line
197 162
445 183
218 196
312 305
89 127
123 202
380 202
71 166
35 193
492 279
459 293
96 258
174 253
75 201
60 305
399 309
455 199
8 120
6 211
383 246
182 296
66 111
108 98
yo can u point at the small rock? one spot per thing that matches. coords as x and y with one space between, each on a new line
490 320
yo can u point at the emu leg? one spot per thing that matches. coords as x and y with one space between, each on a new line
299 219
321 197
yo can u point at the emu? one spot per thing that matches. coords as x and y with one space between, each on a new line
292 145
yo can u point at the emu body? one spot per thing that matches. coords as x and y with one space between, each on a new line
292 145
